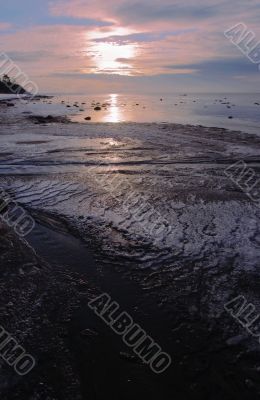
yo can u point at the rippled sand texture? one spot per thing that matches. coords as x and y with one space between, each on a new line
153 200
116 183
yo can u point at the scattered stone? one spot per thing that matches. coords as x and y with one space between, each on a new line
39 119
235 340
88 333
130 357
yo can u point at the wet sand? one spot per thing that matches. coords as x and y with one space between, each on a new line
74 183
78 357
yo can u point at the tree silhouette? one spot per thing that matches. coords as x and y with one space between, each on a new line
6 79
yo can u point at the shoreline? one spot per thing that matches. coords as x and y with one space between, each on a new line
76 180
205 110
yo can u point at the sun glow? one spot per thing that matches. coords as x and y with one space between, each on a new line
111 58
110 55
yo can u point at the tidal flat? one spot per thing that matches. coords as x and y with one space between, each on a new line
147 213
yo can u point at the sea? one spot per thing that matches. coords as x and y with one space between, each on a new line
235 111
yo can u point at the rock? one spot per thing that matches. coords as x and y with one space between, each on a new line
235 340
130 357
97 108
249 383
39 119
88 118
230 117
88 333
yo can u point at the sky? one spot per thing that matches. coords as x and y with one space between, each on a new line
121 46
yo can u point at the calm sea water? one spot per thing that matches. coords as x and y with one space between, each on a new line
232 111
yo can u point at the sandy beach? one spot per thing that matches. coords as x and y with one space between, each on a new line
143 211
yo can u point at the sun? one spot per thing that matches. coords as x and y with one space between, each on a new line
110 56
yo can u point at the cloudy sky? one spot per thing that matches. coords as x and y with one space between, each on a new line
105 46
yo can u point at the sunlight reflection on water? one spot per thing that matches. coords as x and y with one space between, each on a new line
195 109
114 110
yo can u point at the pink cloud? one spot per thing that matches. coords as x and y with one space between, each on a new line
169 44
4 26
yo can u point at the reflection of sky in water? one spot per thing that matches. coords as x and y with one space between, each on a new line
194 109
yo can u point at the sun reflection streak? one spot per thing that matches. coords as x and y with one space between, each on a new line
114 110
